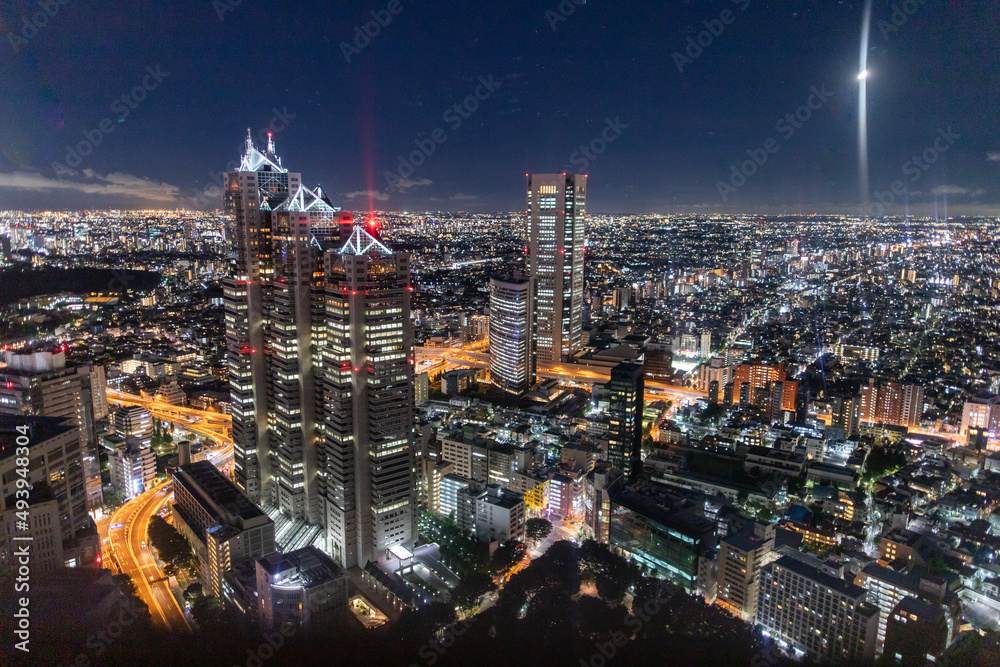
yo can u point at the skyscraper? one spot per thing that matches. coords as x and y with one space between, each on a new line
512 364
275 323
303 227
366 459
250 196
556 210
627 389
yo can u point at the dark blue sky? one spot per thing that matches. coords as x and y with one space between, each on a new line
675 135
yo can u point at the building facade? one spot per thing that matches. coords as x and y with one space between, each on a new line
627 391
824 617
222 525
300 590
366 463
42 384
741 557
556 212
512 363
62 532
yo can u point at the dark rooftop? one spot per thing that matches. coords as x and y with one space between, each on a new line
40 429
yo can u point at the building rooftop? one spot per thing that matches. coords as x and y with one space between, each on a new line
303 568
683 521
203 479
897 579
822 578
40 429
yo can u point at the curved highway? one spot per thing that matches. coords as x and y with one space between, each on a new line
131 557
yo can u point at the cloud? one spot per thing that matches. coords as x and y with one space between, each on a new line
91 183
463 197
406 183
367 194
993 156
957 190
949 190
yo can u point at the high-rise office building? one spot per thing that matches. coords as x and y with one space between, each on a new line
303 226
275 328
366 464
42 384
321 359
512 364
626 388
251 193
556 210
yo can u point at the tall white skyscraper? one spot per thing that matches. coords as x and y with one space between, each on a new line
250 196
366 460
512 364
556 210
321 363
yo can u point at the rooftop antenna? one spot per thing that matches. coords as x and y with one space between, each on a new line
270 143
249 141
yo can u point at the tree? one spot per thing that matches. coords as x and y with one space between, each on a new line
193 592
126 584
506 555
537 529
471 588
170 545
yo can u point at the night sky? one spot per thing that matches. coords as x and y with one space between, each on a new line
601 74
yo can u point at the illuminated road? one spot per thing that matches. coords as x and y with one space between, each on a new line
582 373
213 425
129 557
126 550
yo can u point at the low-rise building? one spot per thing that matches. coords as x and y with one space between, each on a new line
665 540
222 525
301 589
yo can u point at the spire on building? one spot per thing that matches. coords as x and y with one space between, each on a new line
361 243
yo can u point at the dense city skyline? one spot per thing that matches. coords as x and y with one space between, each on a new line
666 117
296 366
